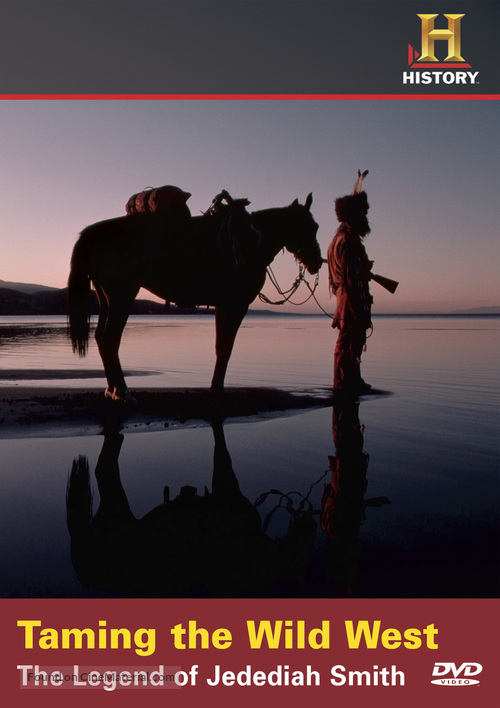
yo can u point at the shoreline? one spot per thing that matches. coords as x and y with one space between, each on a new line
28 411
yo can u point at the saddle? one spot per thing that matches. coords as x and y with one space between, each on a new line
237 239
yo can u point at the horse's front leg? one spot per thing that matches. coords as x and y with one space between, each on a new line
227 324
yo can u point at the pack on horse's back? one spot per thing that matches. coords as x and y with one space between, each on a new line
161 199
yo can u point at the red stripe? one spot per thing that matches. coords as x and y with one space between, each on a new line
241 97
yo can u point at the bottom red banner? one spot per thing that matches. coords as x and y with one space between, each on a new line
318 652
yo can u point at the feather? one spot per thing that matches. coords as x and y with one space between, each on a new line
358 187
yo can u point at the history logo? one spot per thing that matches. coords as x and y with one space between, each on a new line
443 64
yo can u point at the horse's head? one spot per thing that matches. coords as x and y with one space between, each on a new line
301 235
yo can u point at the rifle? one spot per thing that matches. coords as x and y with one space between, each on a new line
386 283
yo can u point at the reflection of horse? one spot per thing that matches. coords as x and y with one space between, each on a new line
210 545
181 262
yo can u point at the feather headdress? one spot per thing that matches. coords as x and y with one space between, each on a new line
351 206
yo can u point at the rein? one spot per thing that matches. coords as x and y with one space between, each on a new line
288 294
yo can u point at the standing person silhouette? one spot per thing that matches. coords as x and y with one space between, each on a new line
349 274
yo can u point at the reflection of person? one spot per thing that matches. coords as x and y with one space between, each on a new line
349 273
343 505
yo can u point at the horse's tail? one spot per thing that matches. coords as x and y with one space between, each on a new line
79 299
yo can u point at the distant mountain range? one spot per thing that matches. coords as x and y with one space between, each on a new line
32 299
25 287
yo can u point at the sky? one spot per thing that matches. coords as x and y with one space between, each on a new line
433 183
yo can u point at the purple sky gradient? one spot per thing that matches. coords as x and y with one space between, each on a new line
433 184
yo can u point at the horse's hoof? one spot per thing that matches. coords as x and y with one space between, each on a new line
124 396
121 395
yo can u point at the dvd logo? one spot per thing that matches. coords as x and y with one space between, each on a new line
460 675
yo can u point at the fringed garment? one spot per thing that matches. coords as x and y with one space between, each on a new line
349 273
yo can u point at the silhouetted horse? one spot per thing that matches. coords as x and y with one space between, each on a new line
190 263
211 544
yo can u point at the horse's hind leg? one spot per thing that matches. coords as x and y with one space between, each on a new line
99 335
108 335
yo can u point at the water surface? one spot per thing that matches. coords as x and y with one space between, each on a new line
412 507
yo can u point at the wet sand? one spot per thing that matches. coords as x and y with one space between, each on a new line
33 411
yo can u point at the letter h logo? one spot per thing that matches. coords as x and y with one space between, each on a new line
427 58
430 35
